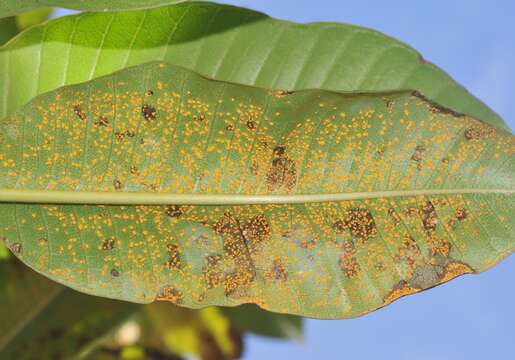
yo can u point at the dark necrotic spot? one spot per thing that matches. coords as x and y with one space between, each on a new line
102 121
461 214
117 184
251 125
149 93
429 217
148 112
108 244
16 248
115 272
174 211
282 173
279 150
78 111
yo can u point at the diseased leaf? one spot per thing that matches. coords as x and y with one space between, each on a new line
265 323
225 43
13 7
40 318
157 183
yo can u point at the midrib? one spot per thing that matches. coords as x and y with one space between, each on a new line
141 198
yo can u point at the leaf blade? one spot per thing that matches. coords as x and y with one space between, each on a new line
329 259
226 43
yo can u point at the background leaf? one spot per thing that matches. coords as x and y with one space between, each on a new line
315 203
225 43
265 323
40 317
13 7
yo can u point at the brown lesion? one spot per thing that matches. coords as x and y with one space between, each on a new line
170 293
418 155
108 244
479 132
148 112
102 121
277 271
348 262
16 248
174 257
174 211
212 271
77 110
429 216
359 222
242 240
424 277
283 171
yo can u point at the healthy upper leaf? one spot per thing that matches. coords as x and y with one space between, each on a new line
225 43
157 183
13 7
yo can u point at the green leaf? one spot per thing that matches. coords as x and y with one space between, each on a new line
225 43
13 7
205 334
34 17
155 182
61 322
265 323
8 29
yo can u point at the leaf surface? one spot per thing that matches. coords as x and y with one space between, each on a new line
13 7
157 183
225 43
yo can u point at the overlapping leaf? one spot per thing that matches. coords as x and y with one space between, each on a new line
156 183
226 43
13 7
40 318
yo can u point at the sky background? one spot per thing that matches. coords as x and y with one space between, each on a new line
471 317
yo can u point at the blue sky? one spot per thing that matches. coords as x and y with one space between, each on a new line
471 317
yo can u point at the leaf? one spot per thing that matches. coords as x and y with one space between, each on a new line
206 334
11 26
157 183
37 311
8 29
34 17
225 43
13 7
265 323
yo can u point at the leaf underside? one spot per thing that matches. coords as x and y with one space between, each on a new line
415 194
224 43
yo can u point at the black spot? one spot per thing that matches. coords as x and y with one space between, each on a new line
174 211
115 272
108 244
148 112
279 150
103 121
78 111
149 93
117 184
461 214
